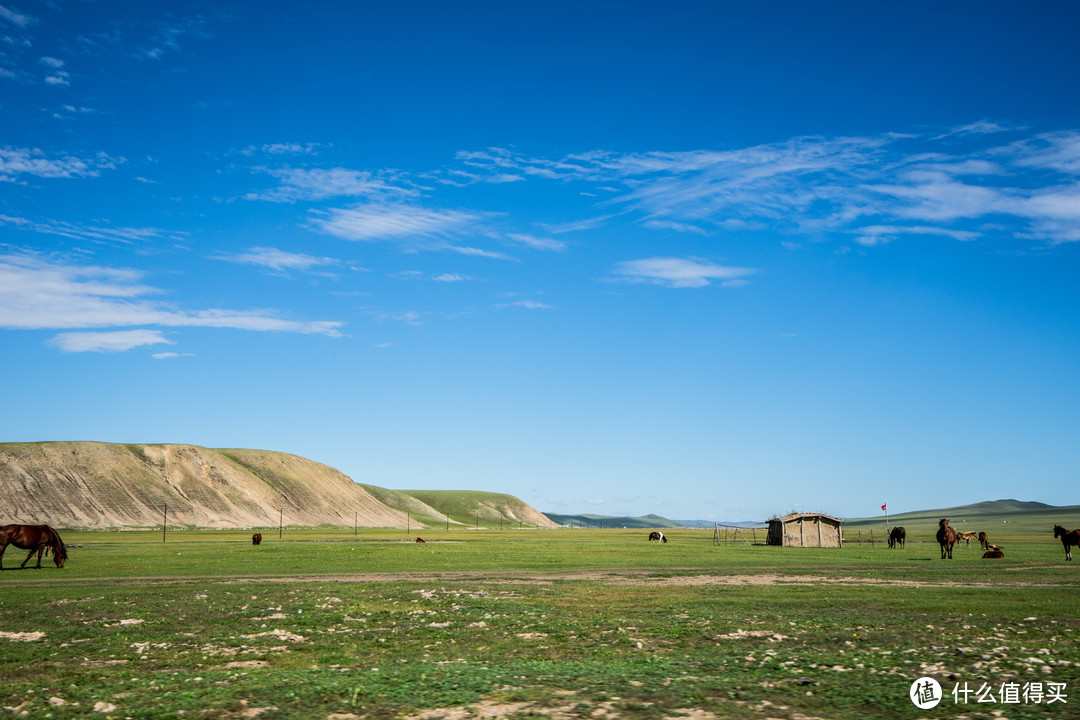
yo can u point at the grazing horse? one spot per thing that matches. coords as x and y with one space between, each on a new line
256 539
967 537
421 540
994 553
35 538
898 536
657 536
984 541
946 538
1069 538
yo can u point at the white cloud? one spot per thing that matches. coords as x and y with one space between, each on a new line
450 278
680 272
52 62
533 305
536 243
170 355
118 341
16 18
676 226
277 260
393 222
298 184
15 162
37 293
95 233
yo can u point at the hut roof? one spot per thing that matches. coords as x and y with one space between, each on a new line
793 516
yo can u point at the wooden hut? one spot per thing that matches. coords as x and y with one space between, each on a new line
806 530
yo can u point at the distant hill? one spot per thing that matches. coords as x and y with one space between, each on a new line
489 509
608 521
989 511
101 485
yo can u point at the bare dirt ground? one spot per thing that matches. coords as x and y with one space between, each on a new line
643 578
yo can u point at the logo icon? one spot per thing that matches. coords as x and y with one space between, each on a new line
925 693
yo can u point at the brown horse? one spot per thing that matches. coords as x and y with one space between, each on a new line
1069 538
657 536
421 540
984 541
993 554
946 538
898 536
35 538
967 537
256 539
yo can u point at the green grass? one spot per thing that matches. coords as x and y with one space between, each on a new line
528 623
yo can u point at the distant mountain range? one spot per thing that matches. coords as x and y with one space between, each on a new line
645 521
958 513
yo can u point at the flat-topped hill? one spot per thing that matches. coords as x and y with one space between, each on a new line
99 485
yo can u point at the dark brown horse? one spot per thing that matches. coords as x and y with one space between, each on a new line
421 540
984 541
946 538
1069 538
657 536
898 536
994 554
38 539
256 539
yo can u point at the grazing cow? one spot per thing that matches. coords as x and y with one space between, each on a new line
946 538
421 540
1069 538
256 539
967 537
657 536
898 536
994 553
984 541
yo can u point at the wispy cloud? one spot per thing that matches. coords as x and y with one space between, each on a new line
680 272
94 233
18 162
450 278
16 18
118 341
277 260
298 184
537 243
369 223
977 173
39 293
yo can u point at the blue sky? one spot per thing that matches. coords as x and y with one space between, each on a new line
707 260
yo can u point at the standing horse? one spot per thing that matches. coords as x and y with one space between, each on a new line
898 535
984 541
256 539
657 536
946 538
967 537
35 538
1069 538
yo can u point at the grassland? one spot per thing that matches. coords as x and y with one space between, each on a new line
323 623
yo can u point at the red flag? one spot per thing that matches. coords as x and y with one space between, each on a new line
883 506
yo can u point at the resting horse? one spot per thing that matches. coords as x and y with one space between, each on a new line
946 538
35 538
1069 538
657 536
898 536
